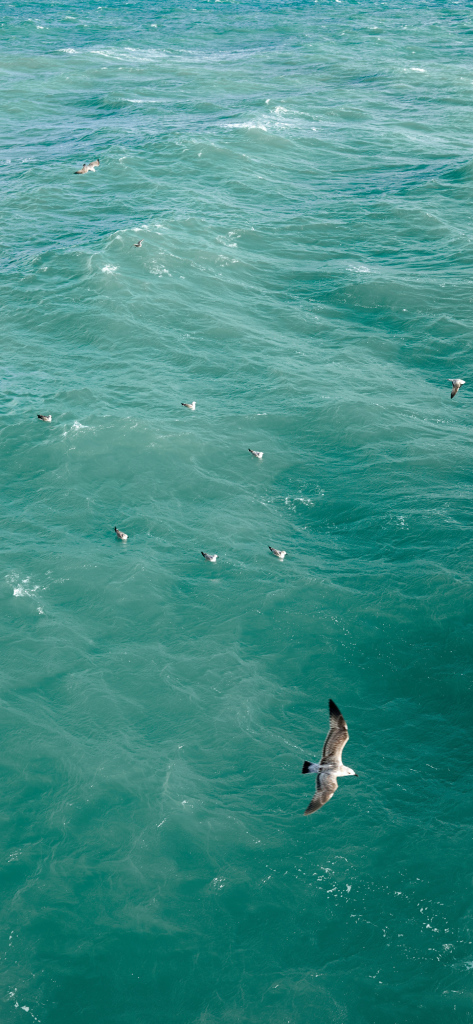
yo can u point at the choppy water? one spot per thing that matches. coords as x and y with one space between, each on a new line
301 175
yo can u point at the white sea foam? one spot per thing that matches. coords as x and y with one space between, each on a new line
248 124
159 270
131 55
108 269
126 99
21 587
303 501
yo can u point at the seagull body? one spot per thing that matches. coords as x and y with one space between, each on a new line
120 534
189 405
209 558
456 385
279 554
330 767
139 244
258 455
88 167
46 419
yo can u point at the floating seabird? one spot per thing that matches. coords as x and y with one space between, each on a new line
189 405
259 455
457 383
88 167
120 534
275 551
47 419
139 244
330 767
209 558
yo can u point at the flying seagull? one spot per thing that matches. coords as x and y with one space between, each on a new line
330 767
139 244
457 383
88 167
259 455
209 558
279 554
120 534
47 419
189 405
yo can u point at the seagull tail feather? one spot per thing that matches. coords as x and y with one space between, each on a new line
308 766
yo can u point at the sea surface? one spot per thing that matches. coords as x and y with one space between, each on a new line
301 175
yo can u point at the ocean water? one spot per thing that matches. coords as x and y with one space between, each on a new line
301 175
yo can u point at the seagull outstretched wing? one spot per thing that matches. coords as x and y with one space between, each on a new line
336 738
326 786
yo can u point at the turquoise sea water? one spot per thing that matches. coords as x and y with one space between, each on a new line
301 176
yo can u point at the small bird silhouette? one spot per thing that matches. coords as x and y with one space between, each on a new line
189 405
457 383
258 455
120 534
139 244
279 554
47 419
88 167
209 558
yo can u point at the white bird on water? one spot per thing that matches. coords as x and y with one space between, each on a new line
258 455
330 767
46 419
88 167
457 383
139 244
279 554
189 405
120 534
209 558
